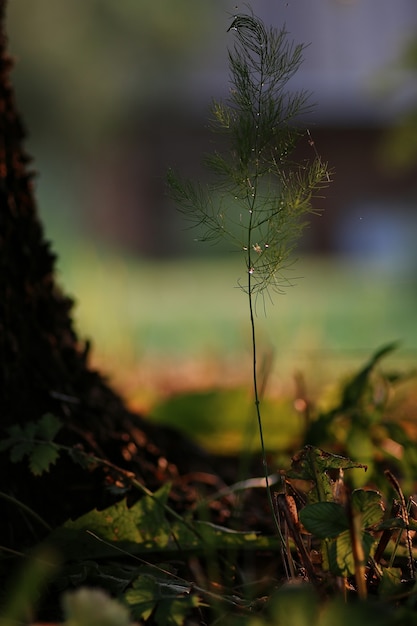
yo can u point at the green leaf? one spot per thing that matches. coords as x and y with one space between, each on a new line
310 461
18 451
48 427
343 562
168 601
324 519
143 529
174 610
18 435
340 553
312 464
143 524
329 521
42 456
34 441
142 597
369 505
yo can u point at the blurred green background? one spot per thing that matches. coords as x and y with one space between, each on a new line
113 93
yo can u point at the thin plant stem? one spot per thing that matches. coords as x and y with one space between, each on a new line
261 433
25 509
260 196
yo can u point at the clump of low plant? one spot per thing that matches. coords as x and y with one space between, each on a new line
360 424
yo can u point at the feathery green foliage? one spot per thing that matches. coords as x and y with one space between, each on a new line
260 196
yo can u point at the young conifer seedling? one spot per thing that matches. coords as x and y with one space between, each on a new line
260 196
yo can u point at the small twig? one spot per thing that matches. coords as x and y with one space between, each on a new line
404 514
293 528
242 485
355 530
382 544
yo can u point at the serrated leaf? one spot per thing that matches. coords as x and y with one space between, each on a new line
313 464
143 523
324 519
41 458
17 433
144 528
48 427
310 461
24 442
20 450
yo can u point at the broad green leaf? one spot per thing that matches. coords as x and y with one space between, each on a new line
144 528
344 562
144 523
341 559
310 461
324 519
369 505
312 464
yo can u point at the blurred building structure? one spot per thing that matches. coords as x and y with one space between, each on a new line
351 67
359 88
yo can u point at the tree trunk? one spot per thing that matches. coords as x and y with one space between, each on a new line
44 368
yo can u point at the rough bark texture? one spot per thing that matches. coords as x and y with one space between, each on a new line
43 366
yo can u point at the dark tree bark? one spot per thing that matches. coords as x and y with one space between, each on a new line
41 355
44 368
